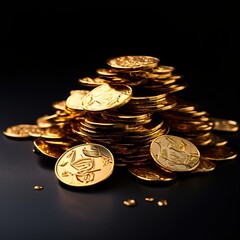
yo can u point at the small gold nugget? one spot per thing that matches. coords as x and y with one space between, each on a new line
129 202
38 187
149 199
162 203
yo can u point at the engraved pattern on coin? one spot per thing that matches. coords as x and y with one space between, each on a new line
133 62
175 153
84 165
106 97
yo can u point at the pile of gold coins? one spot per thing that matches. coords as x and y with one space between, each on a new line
129 114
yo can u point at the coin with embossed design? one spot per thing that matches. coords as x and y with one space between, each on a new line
84 165
133 62
106 97
175 153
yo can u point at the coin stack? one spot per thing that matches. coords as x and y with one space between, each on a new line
132 109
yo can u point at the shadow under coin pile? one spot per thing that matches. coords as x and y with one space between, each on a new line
128 115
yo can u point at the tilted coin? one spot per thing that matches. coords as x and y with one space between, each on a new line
150 172
218 153
92 82
84 165
20 130
105 97
175 153
149 199
133 62
52 149
204 166
74 101
227 125
59 105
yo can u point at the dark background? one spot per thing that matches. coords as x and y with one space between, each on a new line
45 49
64 42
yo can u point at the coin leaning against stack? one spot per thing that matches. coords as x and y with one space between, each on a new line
129 114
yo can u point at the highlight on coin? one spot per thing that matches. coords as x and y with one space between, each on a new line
129 114
84 165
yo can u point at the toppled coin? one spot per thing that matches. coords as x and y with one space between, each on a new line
84 165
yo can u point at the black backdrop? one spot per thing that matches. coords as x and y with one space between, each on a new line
45 49
196 37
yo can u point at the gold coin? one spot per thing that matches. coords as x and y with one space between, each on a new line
20 130
150 172
59 105
52 149
84 165
54 132
133 62
92 82
221 124
74 101
204 166
175 153
218 153
105 97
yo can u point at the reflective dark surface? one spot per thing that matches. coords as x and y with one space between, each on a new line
44 52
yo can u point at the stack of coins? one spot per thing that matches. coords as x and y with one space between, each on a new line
132 109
